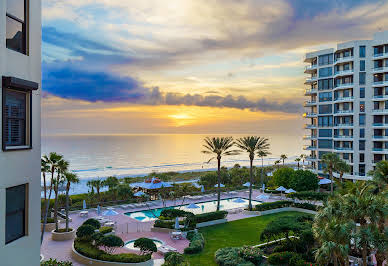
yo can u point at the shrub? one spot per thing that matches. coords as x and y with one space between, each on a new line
197 244
63 230
85 232
93 222
252 254
164 224
296 260
282 177
272 205
173 259
50 220
90 251
281 227
146 245
307 206
303 180
110 243
210 216
281 258
308 195
54 262
106 229
173 213
230 257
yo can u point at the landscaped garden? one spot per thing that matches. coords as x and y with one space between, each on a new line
233 234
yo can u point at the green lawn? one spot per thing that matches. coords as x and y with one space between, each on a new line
232 234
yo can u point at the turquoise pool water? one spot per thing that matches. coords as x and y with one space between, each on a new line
203 207
131 244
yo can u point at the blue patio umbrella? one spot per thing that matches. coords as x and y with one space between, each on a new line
176 223
110 212
263 187
239 200
98 210
281 189
221 185
247 184
290 191
192 206
84 205
202 189
262 197
139 194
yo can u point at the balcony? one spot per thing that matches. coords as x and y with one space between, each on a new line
344 99
347 149
311 158
380 111
311 80
380 97
343 73
310 69
380 56
343 112
380 150
343 86
382 125
310 126
310 115
310 103
380 69
310 147
343 60
379 137
309 58
345 125
343 137
310 92
309 137
380 83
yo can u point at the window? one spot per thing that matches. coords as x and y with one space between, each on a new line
362 51
325 96
16 25
362 120
325 143
362 107
325 72
325 84
361 145
16 113
362 157
325 59
362 92
15 221
325 133
325 121
362 65
362 133
325 109
361 169
362 78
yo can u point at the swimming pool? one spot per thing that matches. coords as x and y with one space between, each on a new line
203 207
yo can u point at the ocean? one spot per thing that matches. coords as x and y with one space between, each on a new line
99 156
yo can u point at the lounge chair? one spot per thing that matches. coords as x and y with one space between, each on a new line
165 248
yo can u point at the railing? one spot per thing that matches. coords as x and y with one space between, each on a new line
344 98
343 72
343 111
340 59
380 54
311 67
380 124
343 85
309 114
344 125
343 149
380 110
310 102
380 149
310 91
310 147
342 137
310 126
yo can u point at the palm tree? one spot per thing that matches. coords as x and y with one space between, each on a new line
98 184
251 145
342 168
44 168
380 175
283 157
276 163
303 157
298 161
330 161
52 162
219 147
262 153
62 167
70 178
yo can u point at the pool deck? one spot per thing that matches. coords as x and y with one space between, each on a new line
129 229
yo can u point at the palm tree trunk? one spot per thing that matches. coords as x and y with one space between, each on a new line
56 190
331 184
364 254
219 183
298 165
380 257
250 185
44 186
262 171
67 206
47 204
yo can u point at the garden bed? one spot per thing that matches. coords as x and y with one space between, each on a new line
62 235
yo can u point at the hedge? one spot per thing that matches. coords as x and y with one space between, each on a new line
308 195
54 262
164 224
272 205
197 244
90 251
210 216
281 258
307 206
93 222
106 229
231 257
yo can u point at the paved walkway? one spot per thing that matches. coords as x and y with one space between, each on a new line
130 229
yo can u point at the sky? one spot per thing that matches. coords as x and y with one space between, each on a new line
188 66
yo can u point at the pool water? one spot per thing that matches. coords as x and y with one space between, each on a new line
203 207
131 244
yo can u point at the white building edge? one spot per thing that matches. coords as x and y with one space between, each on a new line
347 110
20 74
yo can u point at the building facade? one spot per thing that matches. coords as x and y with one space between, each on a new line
20 73
347 106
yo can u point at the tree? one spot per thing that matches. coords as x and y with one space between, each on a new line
44 168
208 180
111 182
261 155
252 145
70 178
52 162
110 243
303 180
298 161
380 175
330 161
98 184
303 157
85 232
281 227
341 168
282 177
124 191
146 245
62 167
276 163
283 157
93 222
219 147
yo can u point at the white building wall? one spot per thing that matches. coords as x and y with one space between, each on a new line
20 167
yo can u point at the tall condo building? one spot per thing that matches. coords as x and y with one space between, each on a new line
347 109
20 73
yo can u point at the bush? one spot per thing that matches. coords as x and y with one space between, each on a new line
110 243
210 216
50 220
252 254
106 229
303 180
272 205
296 260
173 259
281 258
197 244
173 213
307 206
93 222
308 195
90 251
164 224
146 245
54 262
85 231
282 177
230 257
63 230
